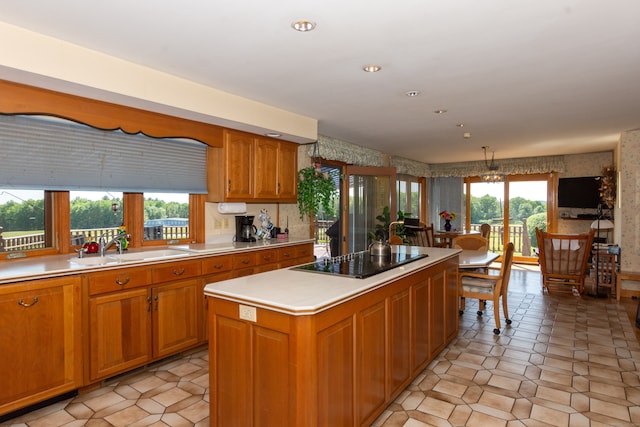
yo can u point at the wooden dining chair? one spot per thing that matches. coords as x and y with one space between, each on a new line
485 230
492 285
472 242
564 260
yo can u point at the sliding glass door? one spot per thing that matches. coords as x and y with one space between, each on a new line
370 191
513 209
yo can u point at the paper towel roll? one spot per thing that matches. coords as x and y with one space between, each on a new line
232 208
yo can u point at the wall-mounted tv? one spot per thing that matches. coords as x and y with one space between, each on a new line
580 192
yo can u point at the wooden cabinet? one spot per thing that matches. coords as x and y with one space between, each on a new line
289 256
141 314
176 316
119 332
252 168
40 338
339 367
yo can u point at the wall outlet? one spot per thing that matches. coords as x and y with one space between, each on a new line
248 313
218 223
225 223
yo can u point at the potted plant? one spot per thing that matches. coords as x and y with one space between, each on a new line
316 189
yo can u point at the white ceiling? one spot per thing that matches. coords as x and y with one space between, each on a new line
538 77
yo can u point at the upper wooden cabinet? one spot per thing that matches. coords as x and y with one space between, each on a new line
252 168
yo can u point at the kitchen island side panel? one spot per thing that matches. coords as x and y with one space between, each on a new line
339 367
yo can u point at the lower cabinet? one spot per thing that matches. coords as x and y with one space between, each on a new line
40 338
131 327
340 367
119 331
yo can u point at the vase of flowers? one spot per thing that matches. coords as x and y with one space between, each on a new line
448 217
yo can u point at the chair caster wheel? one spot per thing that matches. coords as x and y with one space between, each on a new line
479 313
496 331
508 321
460 312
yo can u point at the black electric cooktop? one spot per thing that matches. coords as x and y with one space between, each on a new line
359 265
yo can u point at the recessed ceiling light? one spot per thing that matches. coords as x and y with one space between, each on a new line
440 111
460 125
466 135
411 93
372 68
303 26
273 134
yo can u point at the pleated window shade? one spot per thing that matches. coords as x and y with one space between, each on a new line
39 152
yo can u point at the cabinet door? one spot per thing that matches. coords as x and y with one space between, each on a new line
399 341
420 322
239 160
371 360
436 313
176 314
266 171
40 341
120 332
451 300
288 172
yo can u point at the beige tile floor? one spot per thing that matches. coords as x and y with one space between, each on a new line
564 361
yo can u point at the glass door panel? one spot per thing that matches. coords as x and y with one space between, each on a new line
527 210
370 191
513 210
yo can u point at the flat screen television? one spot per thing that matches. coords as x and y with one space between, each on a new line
580 192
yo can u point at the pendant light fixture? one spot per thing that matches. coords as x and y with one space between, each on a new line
492 174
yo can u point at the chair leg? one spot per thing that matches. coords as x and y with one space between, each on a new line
462 305
482 305
496 315
505 310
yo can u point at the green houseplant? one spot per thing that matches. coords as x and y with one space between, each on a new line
316 189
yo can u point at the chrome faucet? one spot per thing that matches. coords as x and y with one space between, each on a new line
104 245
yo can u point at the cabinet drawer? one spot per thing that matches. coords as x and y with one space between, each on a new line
175 271
216 264
117 280
267 256
287 253
244 260
304 251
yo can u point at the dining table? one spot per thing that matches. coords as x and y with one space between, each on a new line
476 259
447 237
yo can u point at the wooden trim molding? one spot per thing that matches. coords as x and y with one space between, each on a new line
18 98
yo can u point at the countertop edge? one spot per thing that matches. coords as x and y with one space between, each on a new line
50 266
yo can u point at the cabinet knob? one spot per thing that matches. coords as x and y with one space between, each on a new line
178 272
24 304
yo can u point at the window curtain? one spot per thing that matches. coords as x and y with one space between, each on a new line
445 194
52 154
335 149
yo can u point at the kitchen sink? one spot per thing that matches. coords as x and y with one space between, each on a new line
147 255
93 260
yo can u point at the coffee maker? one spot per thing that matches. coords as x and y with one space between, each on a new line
245 230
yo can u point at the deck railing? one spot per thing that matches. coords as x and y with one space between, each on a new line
517 235
80 236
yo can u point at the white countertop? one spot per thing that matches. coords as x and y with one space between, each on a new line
29 268
301 292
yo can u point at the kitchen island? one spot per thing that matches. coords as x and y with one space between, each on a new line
298 348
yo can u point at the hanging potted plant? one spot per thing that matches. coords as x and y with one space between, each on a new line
316 189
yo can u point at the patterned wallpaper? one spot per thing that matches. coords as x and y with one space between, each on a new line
628 213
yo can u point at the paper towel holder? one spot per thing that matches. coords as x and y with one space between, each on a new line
232 208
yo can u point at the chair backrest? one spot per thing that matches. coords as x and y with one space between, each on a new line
505 269
471 242
564 255
485 231
417 236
